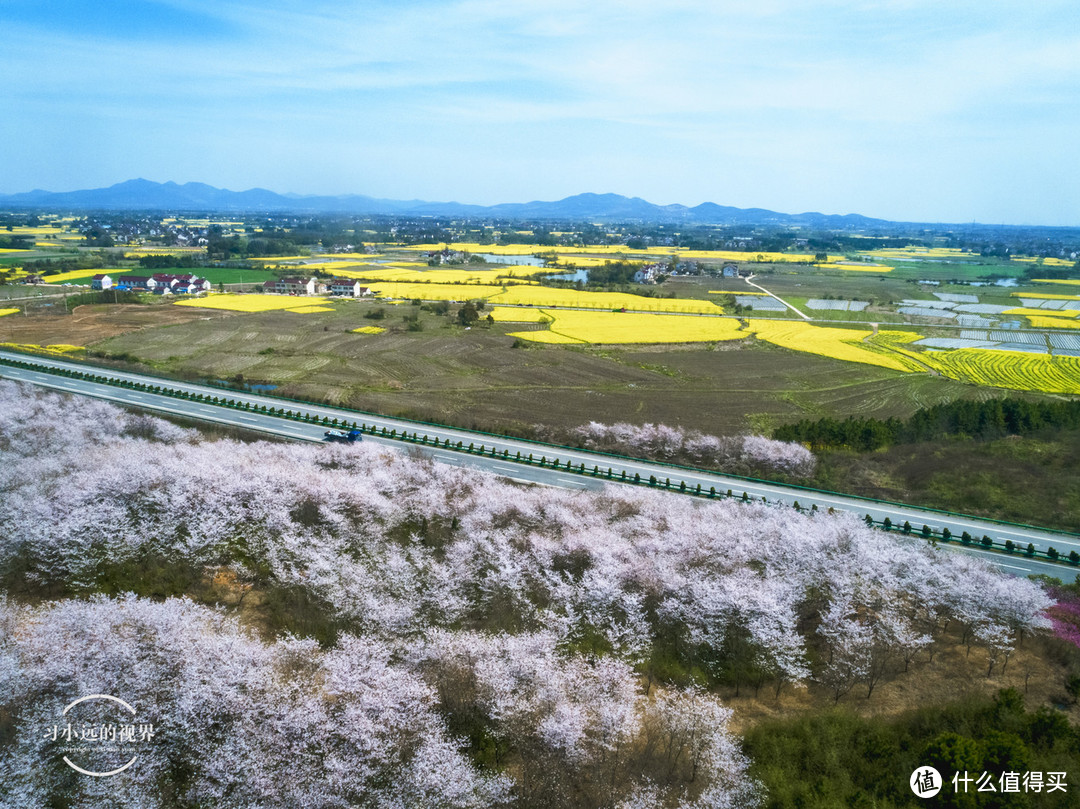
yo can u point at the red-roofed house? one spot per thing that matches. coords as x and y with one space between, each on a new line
292 286
347 286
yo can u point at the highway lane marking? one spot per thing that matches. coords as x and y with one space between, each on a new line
1012 567
575 481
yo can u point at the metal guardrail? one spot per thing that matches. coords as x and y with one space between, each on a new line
680 486
795 487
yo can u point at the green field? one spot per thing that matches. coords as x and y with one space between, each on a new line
226 275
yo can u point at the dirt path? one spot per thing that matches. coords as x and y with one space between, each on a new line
771 295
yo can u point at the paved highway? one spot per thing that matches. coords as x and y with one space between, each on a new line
773 493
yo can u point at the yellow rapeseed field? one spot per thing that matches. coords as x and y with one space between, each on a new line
580 261
523 270
1038 322
512 314
547 337
59 349
435 292
631 327
248 303
534 295
78 275
44 230
1043 313
331 256
1066 282
306 269
369 330
437 276
920 252
841 344
1049 261
549 296
1045 296
1010 369
856 267
274 259
372 273
8 311
307 310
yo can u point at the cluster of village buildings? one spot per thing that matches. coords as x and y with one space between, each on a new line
348 287
650 273
158 283
168 284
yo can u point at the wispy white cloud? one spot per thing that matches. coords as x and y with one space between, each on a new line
744 94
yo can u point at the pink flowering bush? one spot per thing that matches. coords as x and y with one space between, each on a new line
740 454
1065 616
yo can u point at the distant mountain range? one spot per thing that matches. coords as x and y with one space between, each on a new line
144 195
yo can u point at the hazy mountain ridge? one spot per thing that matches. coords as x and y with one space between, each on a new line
143 194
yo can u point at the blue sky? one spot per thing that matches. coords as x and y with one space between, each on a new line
904 109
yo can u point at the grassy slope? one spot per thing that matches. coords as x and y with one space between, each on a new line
1028 479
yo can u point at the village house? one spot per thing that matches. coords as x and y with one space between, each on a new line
292 286
349 287
648 273
140 282
193 283
164 282
101 281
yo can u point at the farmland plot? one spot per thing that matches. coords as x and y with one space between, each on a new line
1026 348
927 304
954 342
762 303
945 296
1044 303
1065 341
1022 337
981 308
923 311
839 306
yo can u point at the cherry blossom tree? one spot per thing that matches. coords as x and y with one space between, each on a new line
236 721
662 441
465 612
